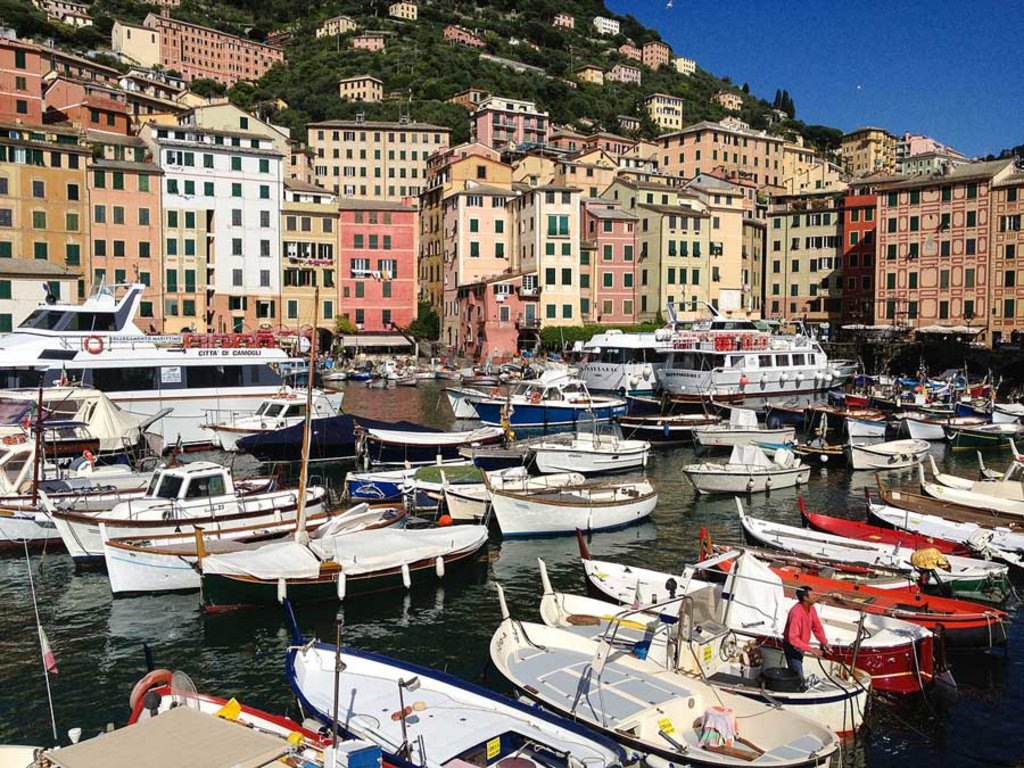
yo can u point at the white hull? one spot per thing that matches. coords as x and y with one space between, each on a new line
460 405
722 436
971 499
591 454
859 428
745 480
938 527
925 430
528 515
467 504
26 527
621 378
84 540
759 384
899 454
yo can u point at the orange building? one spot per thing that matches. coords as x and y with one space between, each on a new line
88 105
453 33
201 52
730 145
125 233
655 54
1007 248
21 83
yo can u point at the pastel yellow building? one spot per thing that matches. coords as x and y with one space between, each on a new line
868 150
338 25
729 101
666 111
534 170
590 74
592 172
361 88
405 11
309 256
136 43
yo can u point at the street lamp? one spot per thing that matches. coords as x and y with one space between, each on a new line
411 684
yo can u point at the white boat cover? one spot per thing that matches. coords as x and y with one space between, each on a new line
398 437
756 597
785 458
742 418
749 456
359 552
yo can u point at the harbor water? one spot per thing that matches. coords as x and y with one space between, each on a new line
99 642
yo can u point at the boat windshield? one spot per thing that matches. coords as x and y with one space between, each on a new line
164 486
205 486
297 410
13 462
273 409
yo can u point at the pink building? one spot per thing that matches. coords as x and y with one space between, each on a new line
567 140
564 20
372 43
623 73
608 270
609 142
655 55
499 121
631 51
453 33
21 89
377 244
493 321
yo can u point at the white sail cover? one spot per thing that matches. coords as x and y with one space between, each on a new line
757 600
749 455
358 552
398 437
742 418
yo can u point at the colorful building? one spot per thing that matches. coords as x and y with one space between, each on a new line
469 98
623 73
666 111
377 263
592 171
337 25
125 230
590 74
608 263
86 104
564 20
453 33
499 122
25 285
497 316
370 41
868 150
21 82
859 232
684 66
630 51
136 43
731 146
361 88
404 10
729 101
309 231
655 54
1007 248
374 160
606 27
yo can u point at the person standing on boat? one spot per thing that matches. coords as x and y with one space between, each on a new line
800 623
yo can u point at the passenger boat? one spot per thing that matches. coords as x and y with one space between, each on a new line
420 445
198 494
639 702
966 577
835 696
336 567
983 437
169 562
894 454
741 429
561 511
922 427
467 501
97 344
424 717
623 363
1000 543
728 358
282 409
553 400
589 453
897 654
748 470
664 429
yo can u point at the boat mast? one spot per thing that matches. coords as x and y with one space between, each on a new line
301 534
39 445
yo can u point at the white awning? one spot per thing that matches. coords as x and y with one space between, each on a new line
362 341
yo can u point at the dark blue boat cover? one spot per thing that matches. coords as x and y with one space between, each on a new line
332 438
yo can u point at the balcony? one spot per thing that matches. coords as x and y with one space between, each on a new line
529 292
527 323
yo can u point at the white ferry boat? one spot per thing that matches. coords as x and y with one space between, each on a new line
733 359
97 344
624 363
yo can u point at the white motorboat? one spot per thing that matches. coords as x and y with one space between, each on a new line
471 502
623 363
648 708
965 576
589 453
741 429
458 399
925 427
198 494
97 344
565 510
870 429
989 542
555 399
894 454
281 410
971 498
749 470
834 696
729 358
168 562
448 722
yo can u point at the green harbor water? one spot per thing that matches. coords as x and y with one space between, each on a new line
99 641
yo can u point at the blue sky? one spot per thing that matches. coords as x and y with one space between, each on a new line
952 70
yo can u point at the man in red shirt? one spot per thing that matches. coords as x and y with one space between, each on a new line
800 623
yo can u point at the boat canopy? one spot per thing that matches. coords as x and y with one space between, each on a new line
756 596
742 417
749 455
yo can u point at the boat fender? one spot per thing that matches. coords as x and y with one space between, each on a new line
750 484
282 590
764 379
782 377
342 584
535 398
768 483
88 456
439 567
154 679
93 345
406 576
671 585
799 376
744 380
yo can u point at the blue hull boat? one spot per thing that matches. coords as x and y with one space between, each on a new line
543 415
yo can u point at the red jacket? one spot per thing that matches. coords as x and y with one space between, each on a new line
799 624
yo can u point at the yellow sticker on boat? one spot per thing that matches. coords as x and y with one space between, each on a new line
493 748
665 726
707 654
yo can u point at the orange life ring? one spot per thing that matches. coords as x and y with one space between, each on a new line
93 345
535 398
154 679
495 392
14 439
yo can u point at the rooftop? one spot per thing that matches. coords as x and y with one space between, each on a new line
384 125
962 173
373 205
32 268
599 209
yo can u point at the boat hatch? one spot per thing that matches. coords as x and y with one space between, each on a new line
508 744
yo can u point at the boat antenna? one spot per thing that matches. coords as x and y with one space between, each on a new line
44 643
301 534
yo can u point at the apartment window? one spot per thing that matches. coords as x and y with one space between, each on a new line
891 224
499 250
566 276
1010 252
912 310
72 255
357 241
360 290
943 310
968 278
236 189
236 246
474 249
119 250
171 246
236 217
118 180
208 189
236 278
1010 279
172 186
236 163
1009 307
944 279
99 214
912 250
627 280
38 220
915 197
915 223
893 199
6 251
944 249
972 218
171 280
118 212
72 191
567 311
944 221
143 183
143 250
264 192
947 194
970 246
627 252
972 192
912 281
549 276
607 253
143 216
264 278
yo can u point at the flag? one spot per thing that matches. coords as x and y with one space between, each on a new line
48 658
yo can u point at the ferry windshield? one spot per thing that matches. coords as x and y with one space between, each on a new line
60 320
